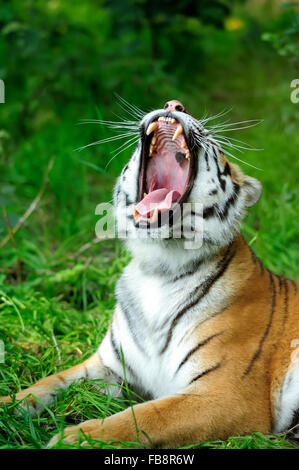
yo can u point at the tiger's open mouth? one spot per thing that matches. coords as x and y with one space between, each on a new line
167 171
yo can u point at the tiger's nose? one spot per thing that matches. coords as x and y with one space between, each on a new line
174 105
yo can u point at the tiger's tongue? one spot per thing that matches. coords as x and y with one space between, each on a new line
161 199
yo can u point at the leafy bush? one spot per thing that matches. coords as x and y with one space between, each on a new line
285 39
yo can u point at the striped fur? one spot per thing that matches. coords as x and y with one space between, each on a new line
205 335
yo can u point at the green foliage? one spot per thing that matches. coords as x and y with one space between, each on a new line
285 39
69 52
254 441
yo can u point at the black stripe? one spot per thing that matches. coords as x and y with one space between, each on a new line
230 202
205 372
209 212
130 323
295 422
118 355
268 327
207 161
255 259
210 241
113 344
196 348
286 302
212 192
86 373
203 289
295 286
219 173
189 272
190 333
253 256
128 199
125 169
61 378
227 170
280 281
119 191
262 267
215 210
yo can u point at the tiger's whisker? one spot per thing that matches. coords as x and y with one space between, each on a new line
130 108
125 146
225 125
235 146
215 116
125 143
104 141
242 161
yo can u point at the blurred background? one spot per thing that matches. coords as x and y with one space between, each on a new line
65 61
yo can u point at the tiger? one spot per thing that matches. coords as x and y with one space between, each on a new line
204 335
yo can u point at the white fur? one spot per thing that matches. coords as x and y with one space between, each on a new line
157 372
288 399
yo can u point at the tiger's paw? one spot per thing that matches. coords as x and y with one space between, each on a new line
27 403
77 434
4 400
108 430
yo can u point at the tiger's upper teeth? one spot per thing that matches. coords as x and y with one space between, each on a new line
179 131
167 119
153 126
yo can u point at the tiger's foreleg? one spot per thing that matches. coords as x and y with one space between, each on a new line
170 422
46 389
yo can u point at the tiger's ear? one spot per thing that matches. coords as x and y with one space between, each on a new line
253 190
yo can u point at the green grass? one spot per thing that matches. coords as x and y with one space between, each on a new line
56 300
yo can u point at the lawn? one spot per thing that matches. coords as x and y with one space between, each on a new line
57 285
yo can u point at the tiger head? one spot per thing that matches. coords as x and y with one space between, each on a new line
177 162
